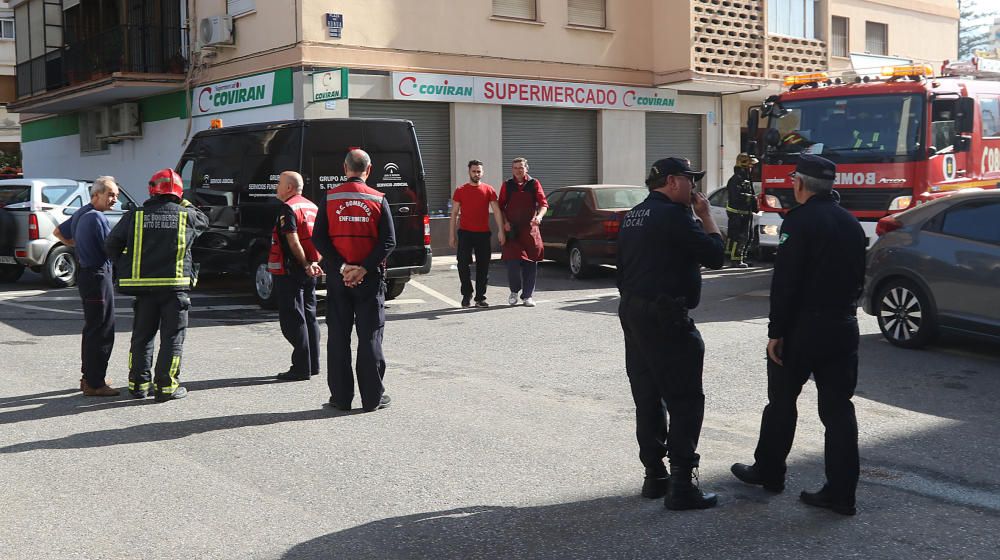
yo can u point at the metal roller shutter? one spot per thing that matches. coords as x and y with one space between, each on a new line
560 144
432 122
673 135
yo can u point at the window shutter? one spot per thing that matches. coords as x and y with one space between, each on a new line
589 13
876 38
520 9
839 39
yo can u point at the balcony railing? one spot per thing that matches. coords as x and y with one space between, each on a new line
143 49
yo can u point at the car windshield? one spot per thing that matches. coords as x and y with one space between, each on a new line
854 129
14 194
625 197
58 194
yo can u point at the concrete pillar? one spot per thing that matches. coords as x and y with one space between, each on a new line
621 157
733 119
476 133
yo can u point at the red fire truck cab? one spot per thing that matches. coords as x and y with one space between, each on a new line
897 140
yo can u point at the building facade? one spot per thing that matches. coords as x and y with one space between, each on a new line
10 127
588 90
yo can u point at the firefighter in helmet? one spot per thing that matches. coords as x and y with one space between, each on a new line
742 203
152 248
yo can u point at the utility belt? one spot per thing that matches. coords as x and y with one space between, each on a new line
671 313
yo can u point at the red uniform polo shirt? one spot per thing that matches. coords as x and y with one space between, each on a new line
474 214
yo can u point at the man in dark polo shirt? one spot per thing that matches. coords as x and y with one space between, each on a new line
470 215
86 230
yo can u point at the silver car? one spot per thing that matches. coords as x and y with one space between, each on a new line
30 210
936 268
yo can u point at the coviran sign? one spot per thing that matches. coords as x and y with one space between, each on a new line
234 95
469 89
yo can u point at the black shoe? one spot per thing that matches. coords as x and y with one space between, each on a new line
466 301
313 373
179 393
682 494
482 303
824 499
339 406
290 376
382 403
139 394
750 475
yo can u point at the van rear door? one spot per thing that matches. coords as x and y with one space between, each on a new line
396 171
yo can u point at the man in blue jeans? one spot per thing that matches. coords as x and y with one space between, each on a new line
86 230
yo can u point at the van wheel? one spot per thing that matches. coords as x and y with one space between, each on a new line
904 314
263 283
578 265
60 268
394 287
10 273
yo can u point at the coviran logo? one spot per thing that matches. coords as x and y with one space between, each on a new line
228 94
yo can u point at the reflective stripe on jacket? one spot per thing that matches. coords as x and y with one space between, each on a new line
305 219
353 211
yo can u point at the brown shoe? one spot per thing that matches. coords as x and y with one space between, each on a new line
105 391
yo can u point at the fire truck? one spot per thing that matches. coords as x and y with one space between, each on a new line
898 139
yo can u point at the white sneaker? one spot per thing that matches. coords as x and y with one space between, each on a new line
529 302
512 299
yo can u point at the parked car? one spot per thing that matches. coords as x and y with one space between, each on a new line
30 210
232 174
936 267
764 245
582 223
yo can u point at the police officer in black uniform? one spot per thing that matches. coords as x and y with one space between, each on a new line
818 277
661 249
153 248
742 203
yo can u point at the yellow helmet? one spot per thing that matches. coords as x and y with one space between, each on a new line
746 160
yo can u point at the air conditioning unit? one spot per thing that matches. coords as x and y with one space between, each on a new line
123 121
216 31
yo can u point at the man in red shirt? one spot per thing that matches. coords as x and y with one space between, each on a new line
470 213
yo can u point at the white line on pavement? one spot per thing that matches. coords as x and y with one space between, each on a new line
405 301
432 292
39 308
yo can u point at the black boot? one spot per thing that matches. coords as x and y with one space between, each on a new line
683 494
655 484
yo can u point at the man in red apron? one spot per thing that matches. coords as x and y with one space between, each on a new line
523 204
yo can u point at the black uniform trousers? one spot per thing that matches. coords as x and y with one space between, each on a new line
827 348
478 243
364 307
296 296
665 372
738 234
98 296
165 311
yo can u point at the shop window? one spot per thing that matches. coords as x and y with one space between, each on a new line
876 38
588 13
518 9
839 37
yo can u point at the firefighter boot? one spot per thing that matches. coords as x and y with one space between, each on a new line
684 494
655 484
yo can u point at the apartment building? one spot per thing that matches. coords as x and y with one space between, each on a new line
10 127
588 90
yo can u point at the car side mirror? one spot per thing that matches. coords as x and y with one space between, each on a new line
962 143
964 115
128 206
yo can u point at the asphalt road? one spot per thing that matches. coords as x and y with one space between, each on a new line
511 435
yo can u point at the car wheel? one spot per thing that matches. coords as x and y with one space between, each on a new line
10 273
578 265
904 314
394 287
263 283
60 268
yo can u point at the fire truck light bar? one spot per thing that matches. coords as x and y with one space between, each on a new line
909 70
804 79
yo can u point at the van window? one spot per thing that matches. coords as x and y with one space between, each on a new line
14 194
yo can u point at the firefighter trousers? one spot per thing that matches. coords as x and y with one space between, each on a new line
98 296
165 311
364 307
296 296
738 232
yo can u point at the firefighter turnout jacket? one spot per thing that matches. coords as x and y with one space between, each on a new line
151 246
304 213
742 199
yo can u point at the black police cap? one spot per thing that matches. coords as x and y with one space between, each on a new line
816 167
673 166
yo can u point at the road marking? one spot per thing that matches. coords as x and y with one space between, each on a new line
432 292
39 308
405 301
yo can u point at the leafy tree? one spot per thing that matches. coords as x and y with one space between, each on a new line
973 27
